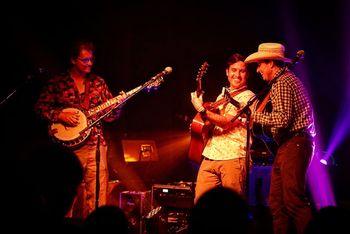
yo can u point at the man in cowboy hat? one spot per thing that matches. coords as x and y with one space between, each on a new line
292 126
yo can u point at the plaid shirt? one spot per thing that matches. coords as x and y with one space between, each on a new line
291 107
61 92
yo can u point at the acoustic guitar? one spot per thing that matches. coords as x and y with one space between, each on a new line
199 128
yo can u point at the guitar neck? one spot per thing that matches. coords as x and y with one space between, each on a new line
102 107
199 92
201 72
113 101
152 83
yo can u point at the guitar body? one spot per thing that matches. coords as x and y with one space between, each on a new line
71 136
263 132
266 137
200 133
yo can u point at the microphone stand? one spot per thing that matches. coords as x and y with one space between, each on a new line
98 155
98 159
14 91
29 78
8 97
246 110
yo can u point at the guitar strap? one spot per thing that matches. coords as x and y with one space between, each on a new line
86 100
238 91
233 94
262 105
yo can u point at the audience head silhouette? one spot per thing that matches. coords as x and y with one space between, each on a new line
219 210
49 176
56 173
106 218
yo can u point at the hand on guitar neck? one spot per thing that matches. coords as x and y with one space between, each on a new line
203 69
197 102
197 96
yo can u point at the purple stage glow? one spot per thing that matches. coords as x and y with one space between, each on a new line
319 182
341 131
320 186
342 127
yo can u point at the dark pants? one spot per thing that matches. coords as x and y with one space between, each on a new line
288 201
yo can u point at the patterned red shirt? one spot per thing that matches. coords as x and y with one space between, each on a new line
61 92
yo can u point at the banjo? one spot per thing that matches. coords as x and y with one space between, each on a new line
72 137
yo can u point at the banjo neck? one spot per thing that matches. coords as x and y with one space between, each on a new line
113 101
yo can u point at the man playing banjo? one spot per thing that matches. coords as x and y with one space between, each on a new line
66 102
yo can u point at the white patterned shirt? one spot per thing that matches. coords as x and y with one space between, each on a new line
228 143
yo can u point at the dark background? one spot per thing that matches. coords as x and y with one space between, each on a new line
137 39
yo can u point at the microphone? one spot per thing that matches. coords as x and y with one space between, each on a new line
231 100
166 71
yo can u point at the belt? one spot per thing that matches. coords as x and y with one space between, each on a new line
301 133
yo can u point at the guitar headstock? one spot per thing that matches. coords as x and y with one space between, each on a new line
201 72
154 85
298 57
155 81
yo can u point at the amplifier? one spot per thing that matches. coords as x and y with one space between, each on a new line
173 196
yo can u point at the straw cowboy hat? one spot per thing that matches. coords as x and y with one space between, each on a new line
269 51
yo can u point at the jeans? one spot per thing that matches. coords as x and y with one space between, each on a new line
288 201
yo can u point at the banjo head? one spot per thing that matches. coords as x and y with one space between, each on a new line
68 135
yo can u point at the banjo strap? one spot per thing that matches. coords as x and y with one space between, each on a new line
86 99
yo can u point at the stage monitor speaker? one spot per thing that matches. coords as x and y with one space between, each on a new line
177 196
136 205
